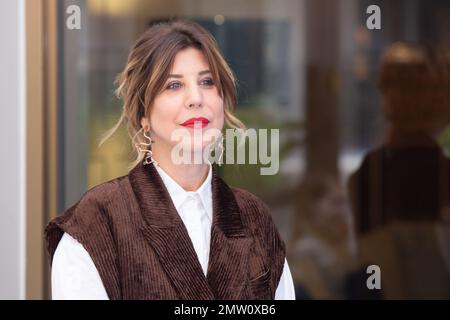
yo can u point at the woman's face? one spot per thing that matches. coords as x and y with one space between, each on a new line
188 93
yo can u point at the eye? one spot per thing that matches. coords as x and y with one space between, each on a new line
208 82
173 85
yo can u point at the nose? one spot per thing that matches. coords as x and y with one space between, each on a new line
194 97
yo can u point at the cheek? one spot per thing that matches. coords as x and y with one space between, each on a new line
164 112
217 107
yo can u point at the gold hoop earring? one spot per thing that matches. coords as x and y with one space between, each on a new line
146 147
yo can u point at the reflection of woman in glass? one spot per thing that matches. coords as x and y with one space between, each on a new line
167 230
400 194
407 177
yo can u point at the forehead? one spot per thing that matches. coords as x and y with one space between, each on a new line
189 60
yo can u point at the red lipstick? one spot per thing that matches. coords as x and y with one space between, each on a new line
201 122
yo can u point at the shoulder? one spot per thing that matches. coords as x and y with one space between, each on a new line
255 213
89 215
249 202
99 202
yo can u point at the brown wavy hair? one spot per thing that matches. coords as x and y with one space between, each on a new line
414 81
148 66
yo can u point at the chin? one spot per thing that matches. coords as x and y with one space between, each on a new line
188 142
199 146
192 147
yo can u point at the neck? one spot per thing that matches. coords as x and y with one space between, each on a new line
395 138
189 176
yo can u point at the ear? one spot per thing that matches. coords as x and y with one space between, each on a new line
145 124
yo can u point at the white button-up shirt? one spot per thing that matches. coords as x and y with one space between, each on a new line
74 275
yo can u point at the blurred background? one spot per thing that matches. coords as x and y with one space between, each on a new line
364 175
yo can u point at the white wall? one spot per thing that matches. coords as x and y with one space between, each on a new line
12 144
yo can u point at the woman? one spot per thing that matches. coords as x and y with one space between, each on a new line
168 230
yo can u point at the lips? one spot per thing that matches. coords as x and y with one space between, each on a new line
201 122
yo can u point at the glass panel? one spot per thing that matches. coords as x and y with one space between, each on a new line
311 69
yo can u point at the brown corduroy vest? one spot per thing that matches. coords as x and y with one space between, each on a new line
142 250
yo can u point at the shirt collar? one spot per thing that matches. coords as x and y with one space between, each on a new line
179 195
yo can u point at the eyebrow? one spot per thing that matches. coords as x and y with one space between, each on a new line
181 76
